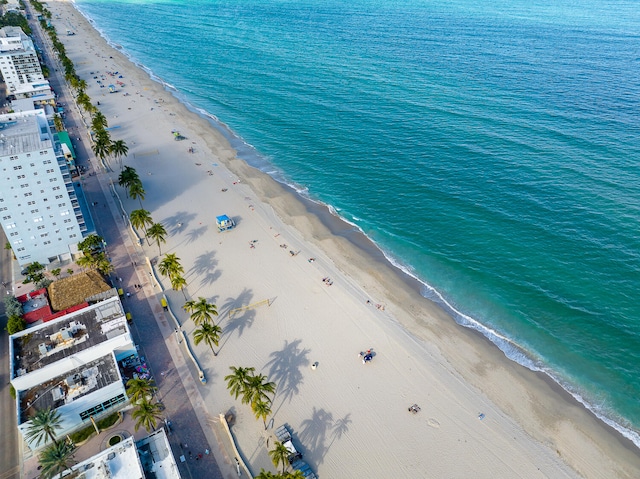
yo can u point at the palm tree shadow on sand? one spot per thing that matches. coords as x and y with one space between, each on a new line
313 434
285 369
195 233
239 321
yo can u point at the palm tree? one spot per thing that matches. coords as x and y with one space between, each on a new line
256 390
209 334
170 266
56 459
178 283
127 177
262 410
140 389
237 382
101 146
147 415
201 311
279 455
141 219
56 272
69 271
91 244
119 149
103 264
43 426
136 191
99 121
158 233
86 261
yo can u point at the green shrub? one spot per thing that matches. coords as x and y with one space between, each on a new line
108 421
16 324
82 435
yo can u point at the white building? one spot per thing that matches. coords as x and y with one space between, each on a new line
150 457
76 365
19 62
39 208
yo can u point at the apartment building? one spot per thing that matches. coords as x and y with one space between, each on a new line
39 207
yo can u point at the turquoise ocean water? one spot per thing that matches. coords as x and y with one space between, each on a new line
491 149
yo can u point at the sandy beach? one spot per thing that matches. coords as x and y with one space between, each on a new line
481 415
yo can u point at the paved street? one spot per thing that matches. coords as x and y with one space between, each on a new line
9 456
151 329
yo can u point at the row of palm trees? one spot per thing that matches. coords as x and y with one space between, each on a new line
146 413
58 456
254 389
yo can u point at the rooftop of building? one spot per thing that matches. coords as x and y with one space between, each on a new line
45 344
69 386
22 133
76 289
149 458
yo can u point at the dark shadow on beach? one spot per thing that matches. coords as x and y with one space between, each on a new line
285 369
238 321
313 435
195 233
178 222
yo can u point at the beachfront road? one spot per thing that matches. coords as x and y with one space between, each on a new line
130 271
9 456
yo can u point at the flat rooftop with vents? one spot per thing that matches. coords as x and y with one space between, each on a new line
41 346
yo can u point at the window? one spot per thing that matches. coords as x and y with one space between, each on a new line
10 226
29 194
47 242
41 227
53 179
72 236
37 219
19 167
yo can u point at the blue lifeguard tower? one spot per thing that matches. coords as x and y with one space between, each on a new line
224 223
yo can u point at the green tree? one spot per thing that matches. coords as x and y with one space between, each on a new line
56 459
147 414
157 233
139 389
102 144
137 192
91 244
279 455
86 261
262 409
119 149
237 382
209 334
170 266
12 306
257 389
102 263
178 283
127 177
69 271
57 122
43 426
99 121
15 324
34 273
201 311
56 272
140 219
